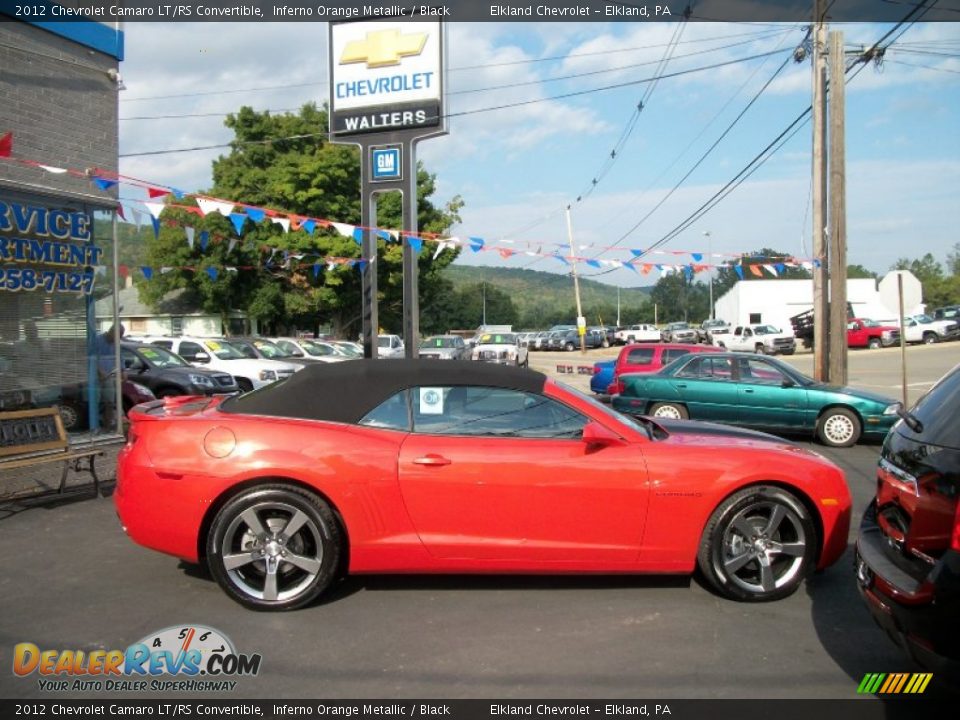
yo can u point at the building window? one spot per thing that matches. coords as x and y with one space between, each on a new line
176 326
755 318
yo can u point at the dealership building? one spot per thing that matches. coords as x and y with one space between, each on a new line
58 199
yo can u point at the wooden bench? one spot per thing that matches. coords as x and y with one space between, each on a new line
35 437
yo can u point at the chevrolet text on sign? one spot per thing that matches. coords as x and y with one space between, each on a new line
385 76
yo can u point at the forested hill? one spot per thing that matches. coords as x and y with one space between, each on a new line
536 289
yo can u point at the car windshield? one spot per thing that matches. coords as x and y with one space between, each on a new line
383 341
766 330
224 350
923 319
270 350
348 350
316 349
498 339
160 358
438 342
870 323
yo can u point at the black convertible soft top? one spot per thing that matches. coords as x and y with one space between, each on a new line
346 391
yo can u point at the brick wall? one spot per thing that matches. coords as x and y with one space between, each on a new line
57 99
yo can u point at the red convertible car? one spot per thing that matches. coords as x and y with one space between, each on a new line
426 466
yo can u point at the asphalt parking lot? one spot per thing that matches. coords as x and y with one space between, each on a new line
73 580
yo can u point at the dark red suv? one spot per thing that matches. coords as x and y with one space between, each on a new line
908 551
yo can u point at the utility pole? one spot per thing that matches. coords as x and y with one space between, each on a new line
618 306
821 334
838 214
710 268
581 329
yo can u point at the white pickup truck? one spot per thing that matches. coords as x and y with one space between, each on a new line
760 339
637 334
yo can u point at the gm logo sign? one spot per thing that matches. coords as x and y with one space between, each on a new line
385 163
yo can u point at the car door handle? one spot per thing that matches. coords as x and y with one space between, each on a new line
681 385
432 460
748 390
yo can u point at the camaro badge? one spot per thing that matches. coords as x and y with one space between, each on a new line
383 48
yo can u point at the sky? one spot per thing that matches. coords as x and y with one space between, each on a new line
518 168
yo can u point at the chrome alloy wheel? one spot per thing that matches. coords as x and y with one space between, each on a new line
272 551
838 429
763 547
668 411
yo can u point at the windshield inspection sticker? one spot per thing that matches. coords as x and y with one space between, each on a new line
431 401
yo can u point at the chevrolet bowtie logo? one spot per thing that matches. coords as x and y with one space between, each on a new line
382 48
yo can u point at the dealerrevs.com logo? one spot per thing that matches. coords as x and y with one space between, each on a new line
180 658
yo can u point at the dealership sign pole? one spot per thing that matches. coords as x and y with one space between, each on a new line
386 94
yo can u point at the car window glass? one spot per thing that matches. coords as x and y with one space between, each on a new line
130 360
492 412
158 357
392 414
716 368
759 372
244 349
270 350
691 369
168 344
224 350
640 356
672 354
287 346
937 411
189 350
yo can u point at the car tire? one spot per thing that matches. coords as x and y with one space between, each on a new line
929 338
839 427
759 545
254 523
874 344
166 392
569 347
244 385
672 411
721 345
759 349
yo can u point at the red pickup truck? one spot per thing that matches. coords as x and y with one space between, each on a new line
863 333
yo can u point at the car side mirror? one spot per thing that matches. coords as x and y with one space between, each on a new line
787 383
596 435
201 357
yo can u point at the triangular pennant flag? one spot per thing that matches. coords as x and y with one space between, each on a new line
154 208
120 212
697 256
190 233
103 183
156 227
230 268
807 265
637 253
756 270
505 253
780 267
165 269
415 242
357 235
344 229
231 245
331 265
256 214
308 226
51 169
6 144
770 269
204 239
386 235
238 219
178 194
147 272
208 206
476 244
646 268
739 270
816 263
316 269
630 266
137 218
441 246
362 265
212 272
561 258
282 222
688 271
157 192
593 263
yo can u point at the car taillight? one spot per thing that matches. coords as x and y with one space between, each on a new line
615 388
596 369
955 538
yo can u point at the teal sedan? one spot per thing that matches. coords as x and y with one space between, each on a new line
759 392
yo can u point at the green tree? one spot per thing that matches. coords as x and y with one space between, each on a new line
859 271
953 260
283 278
